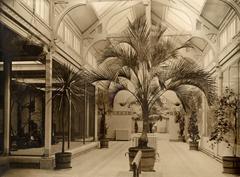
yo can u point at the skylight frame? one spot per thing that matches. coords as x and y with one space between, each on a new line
178 18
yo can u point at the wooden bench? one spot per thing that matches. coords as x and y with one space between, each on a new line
136 164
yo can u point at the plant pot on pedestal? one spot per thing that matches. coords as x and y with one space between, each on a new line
63 160
193 145
104 143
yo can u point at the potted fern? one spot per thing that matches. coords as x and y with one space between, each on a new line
226 127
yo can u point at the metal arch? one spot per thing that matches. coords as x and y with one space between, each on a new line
203 37
69 7
233 5
97 39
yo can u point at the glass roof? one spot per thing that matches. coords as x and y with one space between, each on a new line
120 21
196 4
178 20
101 7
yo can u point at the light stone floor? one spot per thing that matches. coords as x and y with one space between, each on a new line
175 160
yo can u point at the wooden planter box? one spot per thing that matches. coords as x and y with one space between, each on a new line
147 160
63 160
231 164
104 143
193 146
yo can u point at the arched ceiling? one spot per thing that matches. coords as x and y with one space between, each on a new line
83 17
181 17
177 14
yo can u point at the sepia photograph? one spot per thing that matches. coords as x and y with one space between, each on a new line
119 88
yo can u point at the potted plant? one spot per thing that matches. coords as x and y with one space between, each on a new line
226 127
104 108
180 119
68 89
195 99
193 131
146 64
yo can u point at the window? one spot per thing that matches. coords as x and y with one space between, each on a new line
91 60
233 83
196 4
223 39
29 3
225 79
60 30
76 44
179 19
42 9
238 24
231 29
68 36
233 77
208 58
228 33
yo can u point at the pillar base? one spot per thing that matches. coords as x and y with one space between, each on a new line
6 152
47 163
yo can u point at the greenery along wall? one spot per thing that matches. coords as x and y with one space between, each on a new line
230 79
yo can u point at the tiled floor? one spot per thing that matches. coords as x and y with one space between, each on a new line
175 160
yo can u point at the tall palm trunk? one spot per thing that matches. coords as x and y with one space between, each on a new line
69 121
63 127
145 119
143 140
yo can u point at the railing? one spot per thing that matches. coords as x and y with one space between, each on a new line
136 164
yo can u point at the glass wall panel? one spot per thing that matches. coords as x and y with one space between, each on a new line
27 119
42 9
91 110
1 112
225 79
233 77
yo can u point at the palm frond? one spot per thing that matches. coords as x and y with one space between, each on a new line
188 73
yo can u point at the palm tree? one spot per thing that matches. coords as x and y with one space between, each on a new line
69 88
147 64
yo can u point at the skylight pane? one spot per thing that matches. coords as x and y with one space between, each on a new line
119 22
178 19
101 7
196 4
